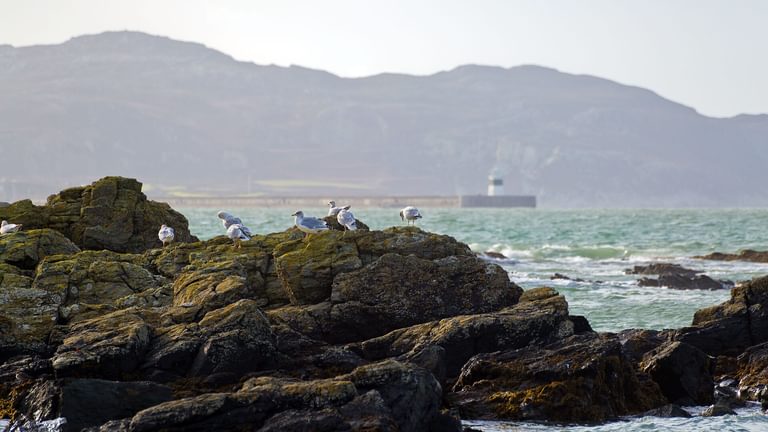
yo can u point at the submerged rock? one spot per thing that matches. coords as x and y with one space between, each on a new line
745 255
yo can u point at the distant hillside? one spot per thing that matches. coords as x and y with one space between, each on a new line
182 117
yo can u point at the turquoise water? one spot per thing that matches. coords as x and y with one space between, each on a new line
594 245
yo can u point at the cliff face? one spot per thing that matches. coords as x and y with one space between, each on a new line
364 330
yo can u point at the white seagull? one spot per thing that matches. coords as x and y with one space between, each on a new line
228 220
166 234
333 210
236 233
410 214
309 225
6 227
347 220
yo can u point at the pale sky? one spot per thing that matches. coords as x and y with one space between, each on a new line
707 54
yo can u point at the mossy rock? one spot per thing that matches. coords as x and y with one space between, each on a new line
25 249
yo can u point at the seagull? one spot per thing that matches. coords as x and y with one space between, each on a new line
333 210
6 227
410 214
228 220
237 234
309 225
166 234
347 220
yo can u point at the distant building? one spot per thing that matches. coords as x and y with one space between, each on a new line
495 185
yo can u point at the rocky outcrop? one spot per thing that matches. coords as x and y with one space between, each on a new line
731 327
683 372
581 378
112 213
677 277
25 249
745 255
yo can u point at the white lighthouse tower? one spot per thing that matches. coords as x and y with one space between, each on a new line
495 184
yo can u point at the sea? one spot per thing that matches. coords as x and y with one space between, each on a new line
592 247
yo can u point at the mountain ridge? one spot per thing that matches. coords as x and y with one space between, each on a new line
135 104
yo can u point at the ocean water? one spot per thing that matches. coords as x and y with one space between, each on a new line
595 246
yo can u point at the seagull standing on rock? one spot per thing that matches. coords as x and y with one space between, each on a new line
347 220
166 234
410 214
237 234
309 225
228 220
333 210
6 228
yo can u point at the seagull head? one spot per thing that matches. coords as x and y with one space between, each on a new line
331 203
298 214
163 226
222 214
4 223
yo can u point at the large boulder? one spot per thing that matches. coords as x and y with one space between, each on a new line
111 213
683 372
398 291
753 371
584 378
733 326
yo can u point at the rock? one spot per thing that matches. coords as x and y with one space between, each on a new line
25 249
577 379
683 282
111 213
662 269
227 342
110 346
667 411
745 255
564 277
727 393
333 223
540 318
733 326
91 402
387 396
683 372
637 342
495 255
753 371
398 291
718 410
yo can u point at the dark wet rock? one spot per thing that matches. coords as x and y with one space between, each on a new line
662 269
383 394
667 411
683 282
25 249
89 402
539 318
733 326
397 291
753 371
745 255
495 255
580 324
112 213
637 342
581 378
717 410
561 276
682 371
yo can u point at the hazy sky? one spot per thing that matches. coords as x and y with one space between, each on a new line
711 55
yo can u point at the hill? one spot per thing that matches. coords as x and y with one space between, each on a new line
184 118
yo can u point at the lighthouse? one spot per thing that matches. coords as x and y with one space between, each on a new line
495 185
